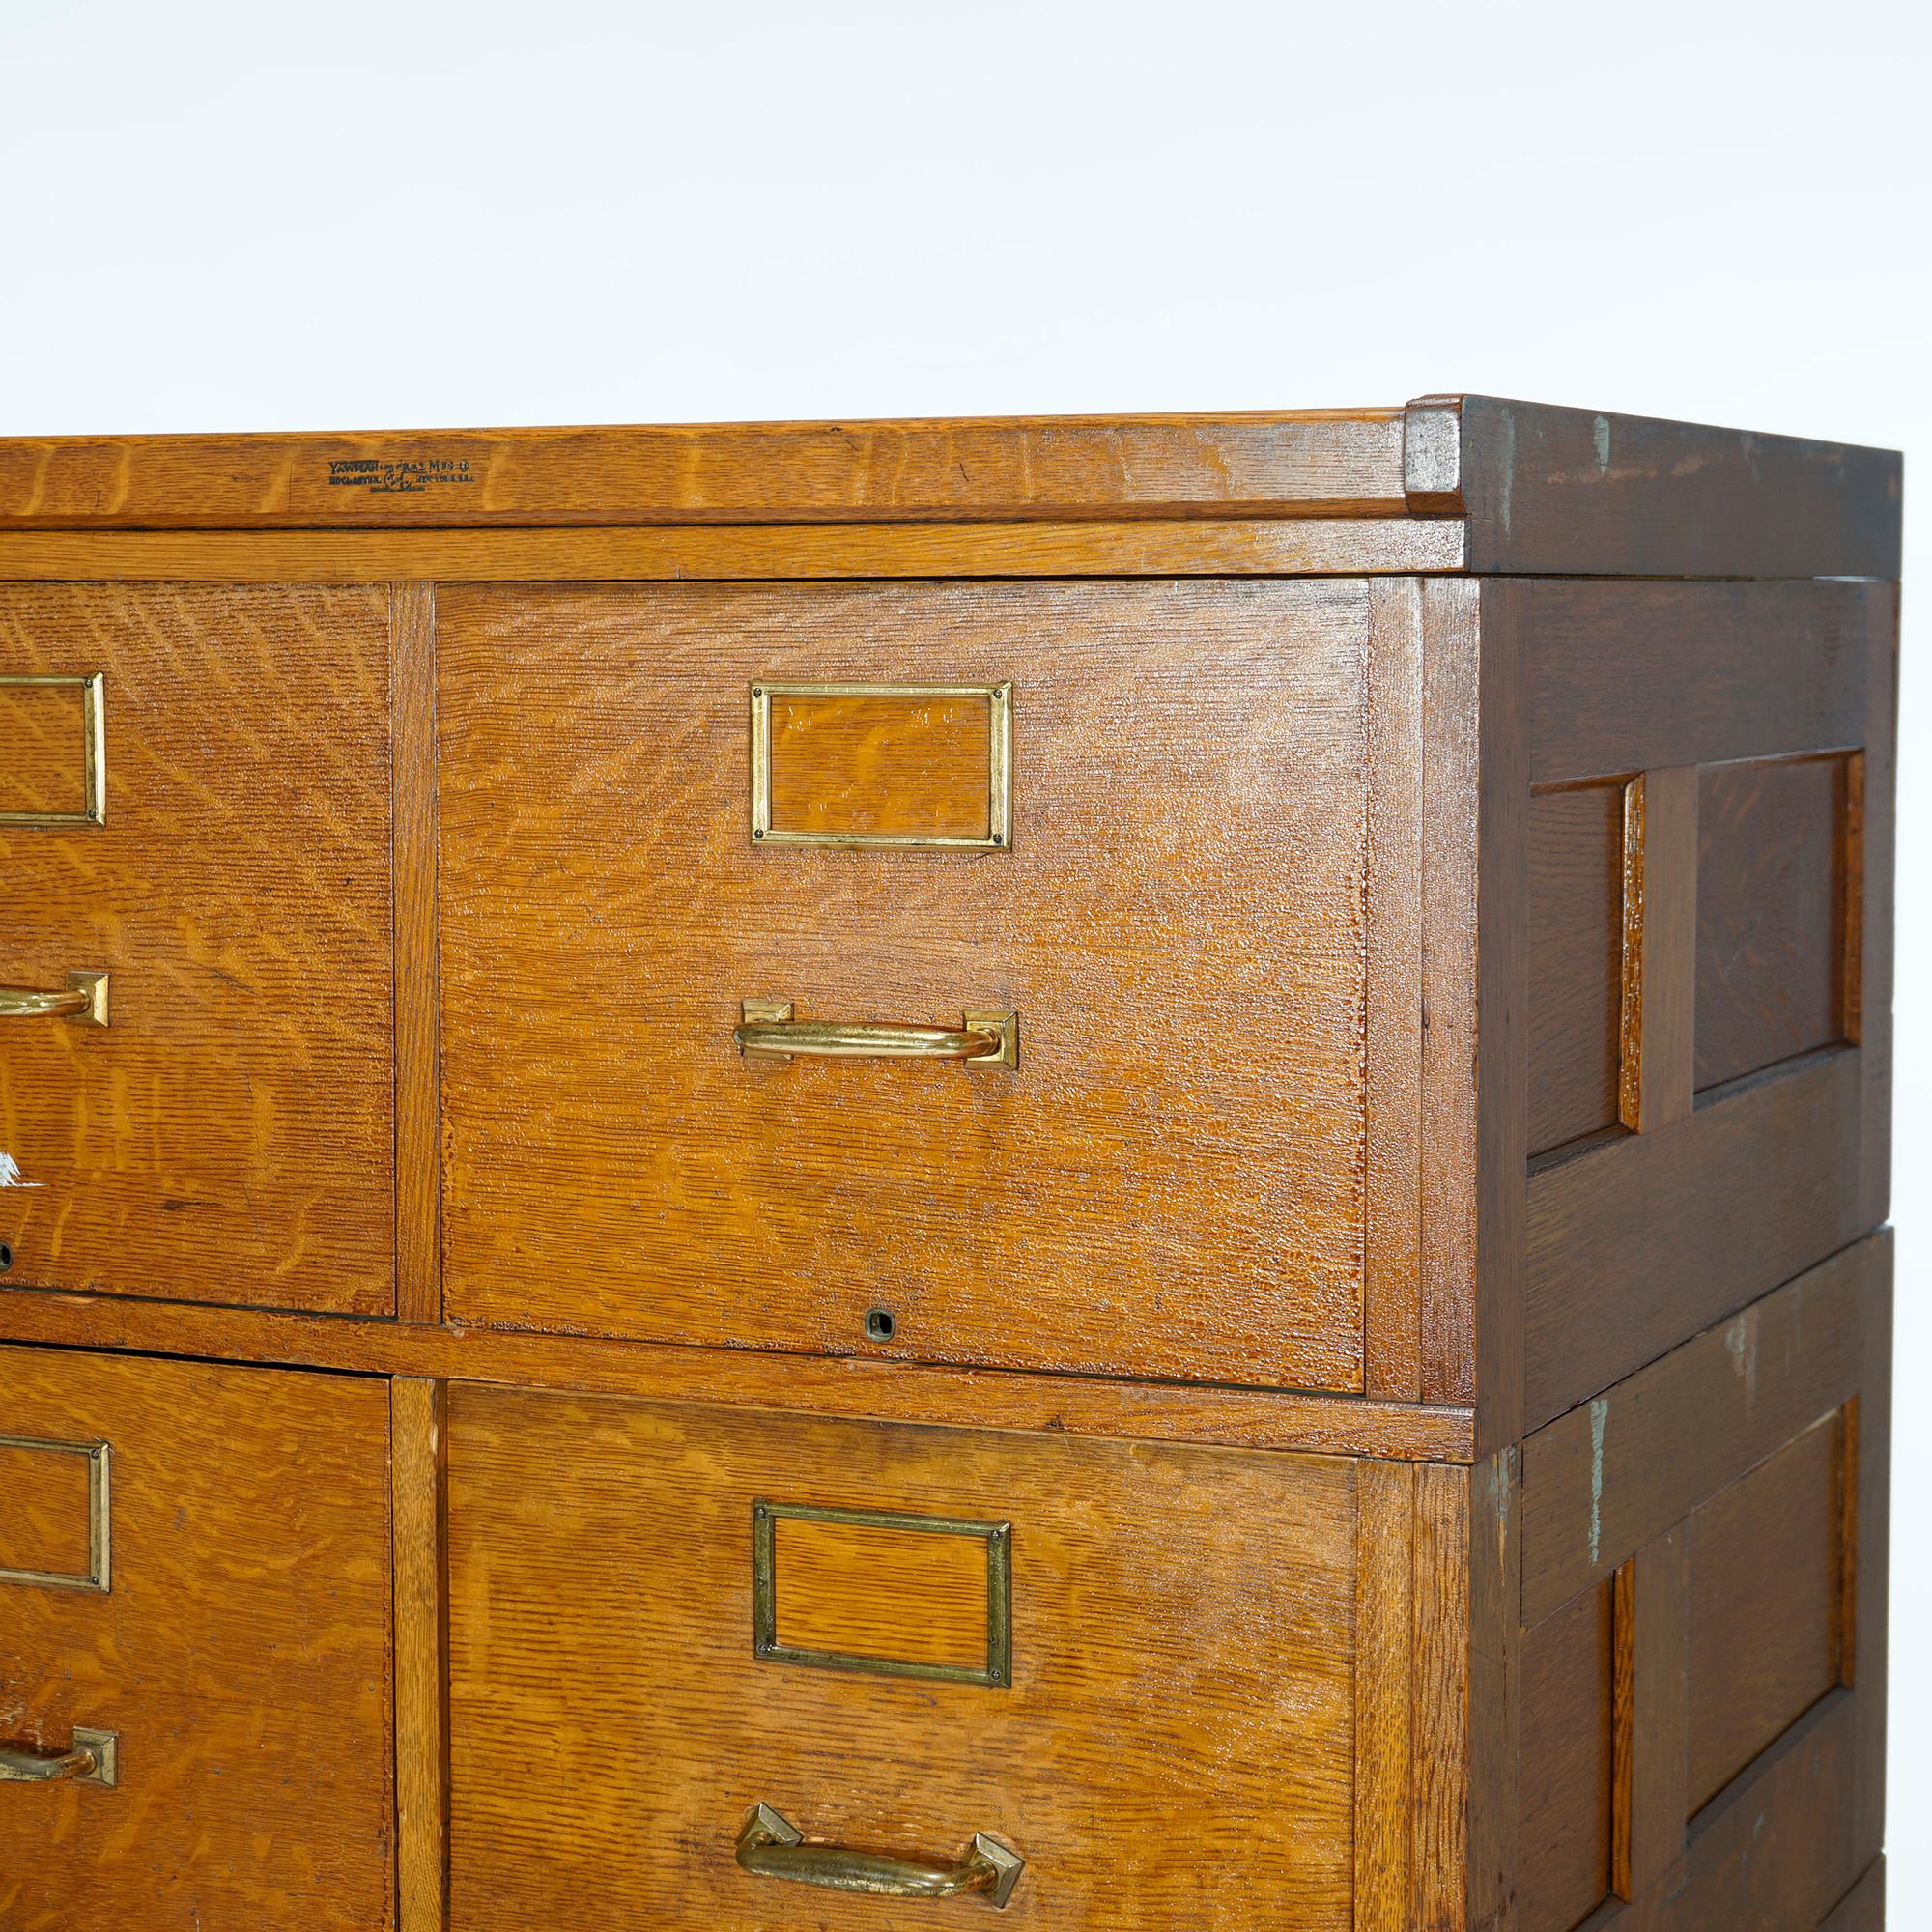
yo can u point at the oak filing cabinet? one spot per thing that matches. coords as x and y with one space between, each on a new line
1124 1171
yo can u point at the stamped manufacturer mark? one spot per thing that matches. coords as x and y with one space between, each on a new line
399 476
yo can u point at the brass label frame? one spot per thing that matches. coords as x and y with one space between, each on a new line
999 699
93 689
996 1674
100 1519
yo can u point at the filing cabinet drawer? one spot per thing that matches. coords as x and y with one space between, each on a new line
1046 1671
194 1641
198 821
1106 840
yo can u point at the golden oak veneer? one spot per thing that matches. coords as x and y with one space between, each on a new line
1364 1404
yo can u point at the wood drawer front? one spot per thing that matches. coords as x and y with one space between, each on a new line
1171 1182
1175 1748
240 1651
227 1137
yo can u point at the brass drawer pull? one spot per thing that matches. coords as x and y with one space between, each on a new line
84 997
983 1039
95 1759
772 1846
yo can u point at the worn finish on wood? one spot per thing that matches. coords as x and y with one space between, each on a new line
1575 910
1771 913
1751 1611
1764 1559
242 1656
416 1444
1566 1764
1178 928
229 1135
1145 1638
1317 462
1548 488
743 1378
1606 1479
1635 1243
1355 930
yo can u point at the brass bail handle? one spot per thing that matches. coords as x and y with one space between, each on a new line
770 1846
982 1038
94 1759
84 997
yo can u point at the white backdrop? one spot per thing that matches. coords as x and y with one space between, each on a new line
401 214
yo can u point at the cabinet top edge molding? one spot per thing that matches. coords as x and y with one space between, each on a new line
1540 489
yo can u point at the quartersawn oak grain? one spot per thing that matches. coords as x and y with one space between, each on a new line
1172 1181
1176 1748
1151 547
229 1135
1472 699
44 1520
859 1590
43 728
242 1656
1317 462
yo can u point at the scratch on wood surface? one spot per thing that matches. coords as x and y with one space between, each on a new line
1600 1414
1740 1340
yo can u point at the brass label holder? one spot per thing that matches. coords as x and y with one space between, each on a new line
999 835
99 1522
996 1673
93 690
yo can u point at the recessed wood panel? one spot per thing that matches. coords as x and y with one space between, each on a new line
46 1505
1771 913
880 766
1575 961
1567 1763
1177 1747
1766 1560
1171 1182
43 746
909 1596
243 1655
227 1138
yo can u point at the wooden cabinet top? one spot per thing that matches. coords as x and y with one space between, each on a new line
1536 488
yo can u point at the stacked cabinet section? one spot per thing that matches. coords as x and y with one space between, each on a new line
194 1647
